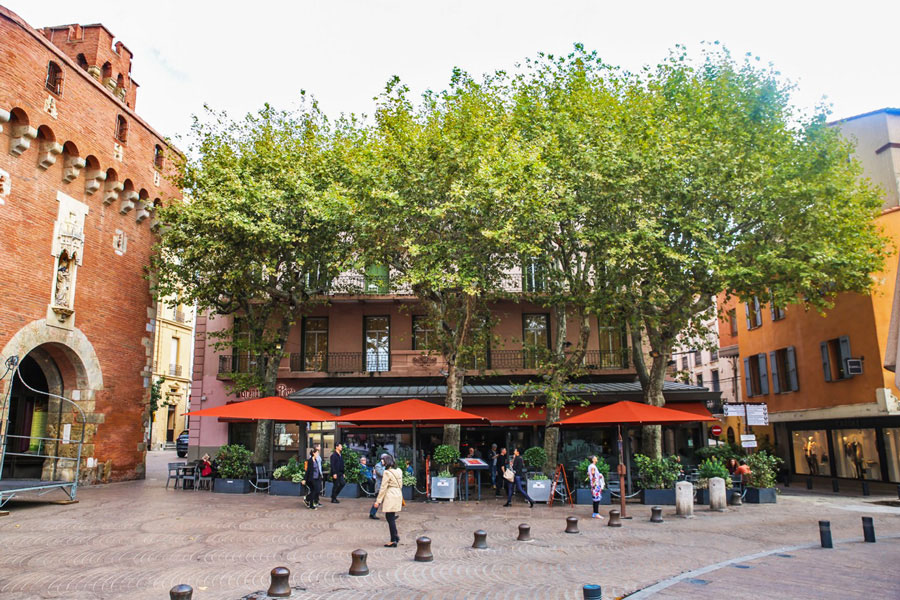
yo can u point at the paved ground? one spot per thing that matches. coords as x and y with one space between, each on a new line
136 540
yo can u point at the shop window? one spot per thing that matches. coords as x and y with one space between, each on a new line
834 358
754 316
756 376
892 452
54 78
121 129
315 344
287 437
243 434
535 336
856 454
784 370
322 435
423 333
811 452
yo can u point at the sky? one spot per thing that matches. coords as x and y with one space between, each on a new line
237 56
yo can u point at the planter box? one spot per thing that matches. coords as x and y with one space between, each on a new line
278 487
760 496
539 490
407 493
350 490
583 496
443 487
658 497
231 486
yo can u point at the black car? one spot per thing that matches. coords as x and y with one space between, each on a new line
181 444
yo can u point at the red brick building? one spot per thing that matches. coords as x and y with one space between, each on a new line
80 174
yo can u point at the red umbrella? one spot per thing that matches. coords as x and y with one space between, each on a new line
274 408
414 412
632 413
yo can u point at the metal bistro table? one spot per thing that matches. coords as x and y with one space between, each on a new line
472 464
186 475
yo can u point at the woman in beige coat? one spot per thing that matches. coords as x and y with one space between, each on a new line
390 496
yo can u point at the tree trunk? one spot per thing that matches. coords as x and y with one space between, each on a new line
455 380
265 429
653 394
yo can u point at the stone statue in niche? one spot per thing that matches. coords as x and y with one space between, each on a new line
63 281
5 186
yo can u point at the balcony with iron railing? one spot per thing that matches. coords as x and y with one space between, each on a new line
360 284
175 370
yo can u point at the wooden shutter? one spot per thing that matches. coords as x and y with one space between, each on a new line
763 375
791 364
844 342
747 379
826 362
758 312
747 310
776 385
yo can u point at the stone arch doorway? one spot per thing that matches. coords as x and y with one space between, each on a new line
27 418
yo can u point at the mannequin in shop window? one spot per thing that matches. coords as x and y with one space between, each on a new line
812 460
854 452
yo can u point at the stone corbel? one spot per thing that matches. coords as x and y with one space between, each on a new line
93 179
142 212
120 93
128 200
112 191
49 152
73 166
4 118
20 140
110 83
94 71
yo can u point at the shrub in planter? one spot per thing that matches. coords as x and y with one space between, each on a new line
286 479
445 455
409 482
535 457
658 477
709 468
444 485
233 466
538 487
763 468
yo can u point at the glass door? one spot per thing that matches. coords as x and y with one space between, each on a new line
377 343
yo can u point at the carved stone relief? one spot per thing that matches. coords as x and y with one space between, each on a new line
156 178
50 106
5 186
120 242
4 118
118 153
67 250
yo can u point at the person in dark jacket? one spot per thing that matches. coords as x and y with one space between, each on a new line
313 479
337 473
518 467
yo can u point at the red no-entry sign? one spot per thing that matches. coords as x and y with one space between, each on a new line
716 430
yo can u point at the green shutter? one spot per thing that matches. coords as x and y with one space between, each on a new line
376 280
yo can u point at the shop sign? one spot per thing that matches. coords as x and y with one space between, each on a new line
748 437
748 444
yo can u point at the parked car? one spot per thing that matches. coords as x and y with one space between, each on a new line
181 444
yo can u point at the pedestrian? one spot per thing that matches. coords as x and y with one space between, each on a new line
379 474
597 483
744 471
732 465
492 462
390 497
502 463
313 479
337 473
520 478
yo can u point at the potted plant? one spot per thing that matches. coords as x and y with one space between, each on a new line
409 483
233 465
658 478
352 476
538 485
444 484
286 479
709 468
583 485
761 488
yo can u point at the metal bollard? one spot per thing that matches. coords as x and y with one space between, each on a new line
480 540
865 486
834 486
181 592
423 550
358 566
592 592
572 525
614 519
735 499
656 514
524 533
280 586
809 483
825 534
868 529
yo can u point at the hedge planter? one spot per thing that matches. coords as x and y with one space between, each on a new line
657 497
583 496
539 489
760 495
350 490
407 493
443 488
702 496
279 487
231 486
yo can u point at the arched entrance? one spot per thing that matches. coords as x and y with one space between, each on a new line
27 418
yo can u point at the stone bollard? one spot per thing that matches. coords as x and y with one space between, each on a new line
480 540
572 525
656 514
280 587
834 486
524 533
592 592
423 550
865 486
825 534
358 566
735 499
717 498
809 483
614 520
684 499
181 592
868 529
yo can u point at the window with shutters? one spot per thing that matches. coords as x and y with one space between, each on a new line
716 387
783 363
699 379
756 376
777 312
754 315
835 353
732 321
54 79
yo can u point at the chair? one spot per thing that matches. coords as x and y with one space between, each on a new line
188 473
202 482
174 473
262 479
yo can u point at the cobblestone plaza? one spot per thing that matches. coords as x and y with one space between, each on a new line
135 540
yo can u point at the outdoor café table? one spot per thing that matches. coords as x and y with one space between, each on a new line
472 464
185 474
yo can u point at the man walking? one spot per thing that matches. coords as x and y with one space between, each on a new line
379 473
337 473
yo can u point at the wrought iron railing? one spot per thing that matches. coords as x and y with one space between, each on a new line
175 370
241 363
